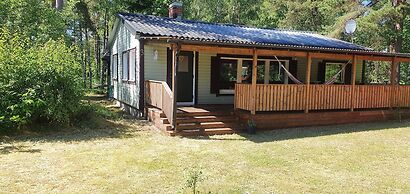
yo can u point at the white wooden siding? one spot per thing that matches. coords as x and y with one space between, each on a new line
155 68
125 92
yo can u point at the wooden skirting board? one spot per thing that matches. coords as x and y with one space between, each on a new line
278 120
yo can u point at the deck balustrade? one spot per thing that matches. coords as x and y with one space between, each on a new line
292 97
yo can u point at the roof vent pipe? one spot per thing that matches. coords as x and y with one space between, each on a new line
175 10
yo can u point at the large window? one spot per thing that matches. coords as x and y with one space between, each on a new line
226 71
125 66
247 71
132 62
227 76
114 67
276 73
332 69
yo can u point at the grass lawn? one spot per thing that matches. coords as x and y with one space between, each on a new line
125 156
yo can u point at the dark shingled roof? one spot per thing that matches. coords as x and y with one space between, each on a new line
148 25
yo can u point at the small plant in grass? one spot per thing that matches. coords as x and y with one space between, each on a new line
251 126
193 177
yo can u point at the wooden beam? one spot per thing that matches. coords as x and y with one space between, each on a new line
393 81
307 81
243 51
333 56
404 60
254 79
282 53
216 49
175 56
373 58
353 82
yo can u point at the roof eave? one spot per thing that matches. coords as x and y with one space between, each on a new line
170 39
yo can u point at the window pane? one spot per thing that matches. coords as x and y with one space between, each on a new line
114 67
132 65
183 64
125 66
276 73
228 71
247 71
332 69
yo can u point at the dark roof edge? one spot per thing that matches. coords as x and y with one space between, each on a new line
272 46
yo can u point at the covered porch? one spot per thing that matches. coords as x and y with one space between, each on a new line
306 100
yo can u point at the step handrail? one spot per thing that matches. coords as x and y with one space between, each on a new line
158 94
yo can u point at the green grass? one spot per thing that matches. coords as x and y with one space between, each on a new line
126 156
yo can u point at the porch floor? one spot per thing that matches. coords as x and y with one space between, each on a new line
205 108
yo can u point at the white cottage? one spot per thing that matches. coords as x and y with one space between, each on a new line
209 78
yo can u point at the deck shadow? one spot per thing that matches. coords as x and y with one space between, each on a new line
307 132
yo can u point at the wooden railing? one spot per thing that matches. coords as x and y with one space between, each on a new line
322 97
373 96
281 97
158 94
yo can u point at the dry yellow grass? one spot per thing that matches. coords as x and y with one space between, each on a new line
126 157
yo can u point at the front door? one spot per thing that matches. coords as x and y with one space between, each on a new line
185 79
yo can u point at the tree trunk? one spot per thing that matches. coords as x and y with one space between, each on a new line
59 4
90 74
397 43
83 62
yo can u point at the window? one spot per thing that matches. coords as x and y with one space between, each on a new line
276 73
183 64
247 71
132 64
332 69
125 66
114 67
227 76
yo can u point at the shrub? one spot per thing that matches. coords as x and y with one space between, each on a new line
38 83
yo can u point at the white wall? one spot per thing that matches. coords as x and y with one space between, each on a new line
155 67
125 92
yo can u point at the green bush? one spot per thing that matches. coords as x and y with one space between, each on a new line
39 83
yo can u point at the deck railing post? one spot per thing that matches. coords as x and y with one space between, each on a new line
393 82
307 81
254 78
353 84
175 61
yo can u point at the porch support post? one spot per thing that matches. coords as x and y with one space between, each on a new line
393 82
254 78
175 56
353 82
307 81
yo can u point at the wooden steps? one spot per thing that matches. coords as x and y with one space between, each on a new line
205 122
193 121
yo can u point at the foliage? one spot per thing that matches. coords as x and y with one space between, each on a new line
194 177
33 19
37 83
